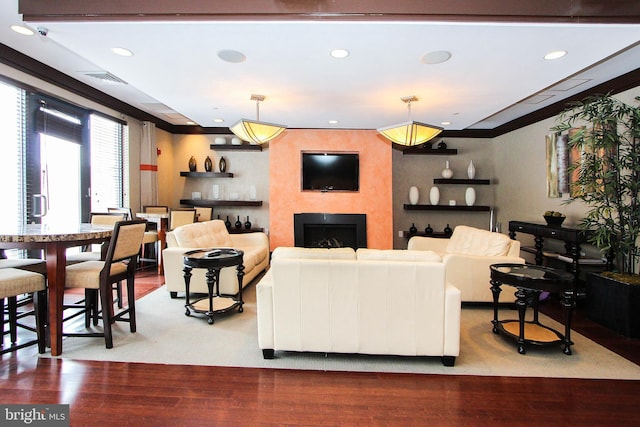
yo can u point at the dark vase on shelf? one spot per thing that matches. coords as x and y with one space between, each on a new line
247 224
442 145
413 229
447 230
192 164
222 164
428 230
208 164
227 223
238 224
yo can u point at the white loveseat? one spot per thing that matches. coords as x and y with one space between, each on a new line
212 234
391 302
467 256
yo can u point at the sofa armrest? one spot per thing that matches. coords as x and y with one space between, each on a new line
471 274
264 303
242 240
420 243
452 313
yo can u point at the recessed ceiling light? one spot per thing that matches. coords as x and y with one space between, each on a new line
218 120
121 51
557 54
232 56
339 53
436 57
445 123
333 122
190 122
22 30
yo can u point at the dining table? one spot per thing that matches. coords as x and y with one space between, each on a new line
162 222
53 240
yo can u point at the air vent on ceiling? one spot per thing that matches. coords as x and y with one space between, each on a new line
104 76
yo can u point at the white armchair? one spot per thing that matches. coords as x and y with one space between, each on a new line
467 256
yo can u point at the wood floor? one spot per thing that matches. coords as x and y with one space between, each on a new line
132 394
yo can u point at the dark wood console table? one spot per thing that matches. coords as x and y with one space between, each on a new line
572 238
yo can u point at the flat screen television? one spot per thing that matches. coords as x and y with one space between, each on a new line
330 171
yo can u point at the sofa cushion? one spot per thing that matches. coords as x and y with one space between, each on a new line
474 241
313 253
206 234
397 255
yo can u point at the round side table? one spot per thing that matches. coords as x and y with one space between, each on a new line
530 281
213 260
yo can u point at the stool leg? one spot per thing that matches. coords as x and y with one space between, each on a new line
13 319
2 325
40 307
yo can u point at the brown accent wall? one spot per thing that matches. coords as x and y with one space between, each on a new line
374 198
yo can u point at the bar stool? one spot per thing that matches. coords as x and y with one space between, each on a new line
15 282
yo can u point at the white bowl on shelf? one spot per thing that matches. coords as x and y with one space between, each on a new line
236 141
219 140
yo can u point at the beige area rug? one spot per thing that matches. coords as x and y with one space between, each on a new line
165 335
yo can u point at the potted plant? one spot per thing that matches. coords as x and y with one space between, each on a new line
606 133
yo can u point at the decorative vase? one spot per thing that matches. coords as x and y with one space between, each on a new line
448 231
470 196
247 224
413 229
219 140
471 170
434 195
446 172
192 164
414 195
442 145
428 230
208 164
238 224
222 164
227 223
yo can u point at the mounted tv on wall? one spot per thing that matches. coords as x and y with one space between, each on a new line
330 171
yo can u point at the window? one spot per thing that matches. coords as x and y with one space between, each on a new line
32 128
109 163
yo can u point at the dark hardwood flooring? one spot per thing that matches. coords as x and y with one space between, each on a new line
135 394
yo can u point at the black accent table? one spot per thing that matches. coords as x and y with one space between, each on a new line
530 281
213 260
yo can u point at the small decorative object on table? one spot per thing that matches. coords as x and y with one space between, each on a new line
434 195
208 164
554 218
247 225
413 229
471 170
446 172
192 164
428 230
414 195
448 231
470 196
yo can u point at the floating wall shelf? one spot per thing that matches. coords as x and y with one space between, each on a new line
461 208
232 147
456 181
431 151
214 203
207 174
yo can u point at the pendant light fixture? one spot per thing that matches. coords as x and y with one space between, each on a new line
255 131
410 133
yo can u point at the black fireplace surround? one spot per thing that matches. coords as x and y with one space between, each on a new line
321 230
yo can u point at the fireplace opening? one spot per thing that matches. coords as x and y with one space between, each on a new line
318 230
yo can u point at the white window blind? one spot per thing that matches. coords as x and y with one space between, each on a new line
109 163
12 134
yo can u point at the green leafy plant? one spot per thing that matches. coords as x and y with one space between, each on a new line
606 133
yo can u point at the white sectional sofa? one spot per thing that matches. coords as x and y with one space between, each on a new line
212 234
467 256
392 302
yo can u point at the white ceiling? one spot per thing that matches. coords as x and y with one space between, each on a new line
176 74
